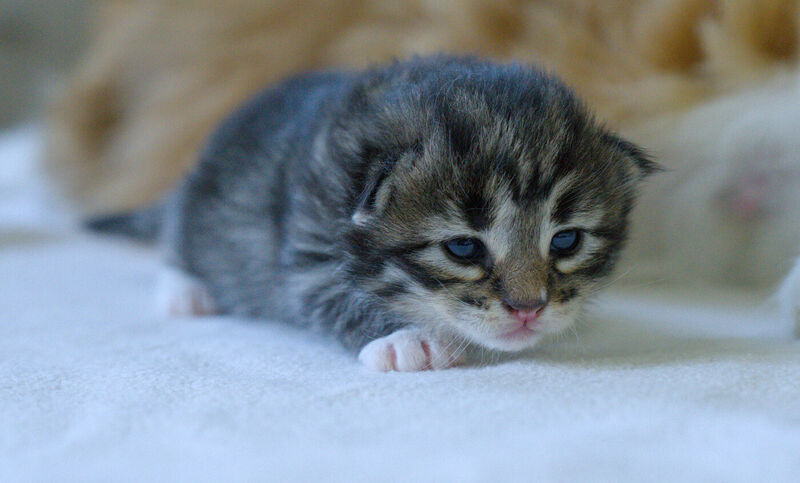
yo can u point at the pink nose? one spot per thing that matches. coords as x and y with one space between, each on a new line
527 316
525 313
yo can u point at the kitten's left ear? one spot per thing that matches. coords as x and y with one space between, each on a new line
642 162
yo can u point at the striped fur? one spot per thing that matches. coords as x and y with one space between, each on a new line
327 200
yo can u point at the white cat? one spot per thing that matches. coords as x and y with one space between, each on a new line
727 209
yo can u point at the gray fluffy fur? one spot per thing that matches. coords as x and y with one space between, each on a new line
307 202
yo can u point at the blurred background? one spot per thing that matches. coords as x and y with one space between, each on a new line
119 96
104 104
40 41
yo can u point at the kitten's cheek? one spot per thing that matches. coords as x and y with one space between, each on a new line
557 324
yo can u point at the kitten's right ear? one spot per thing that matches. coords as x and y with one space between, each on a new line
374 193
376 186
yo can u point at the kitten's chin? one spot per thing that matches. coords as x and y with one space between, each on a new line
513 340
521 338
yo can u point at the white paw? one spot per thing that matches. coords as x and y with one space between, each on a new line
410 350
789 298
178 294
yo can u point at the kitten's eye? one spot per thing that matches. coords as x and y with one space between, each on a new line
565 242
466 249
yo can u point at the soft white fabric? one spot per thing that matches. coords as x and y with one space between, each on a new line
93 387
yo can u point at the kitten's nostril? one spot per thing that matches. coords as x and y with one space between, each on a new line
530 306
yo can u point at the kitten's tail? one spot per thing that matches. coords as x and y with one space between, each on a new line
142 225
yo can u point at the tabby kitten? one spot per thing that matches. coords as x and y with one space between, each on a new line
409 210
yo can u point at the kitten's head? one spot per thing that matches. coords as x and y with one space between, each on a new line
492 205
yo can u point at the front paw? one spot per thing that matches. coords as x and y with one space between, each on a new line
410 350
179 294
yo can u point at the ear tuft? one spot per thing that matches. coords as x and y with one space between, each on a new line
378 165
374 187
641 159
367 200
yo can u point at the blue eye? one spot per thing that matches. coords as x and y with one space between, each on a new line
565 242
469 249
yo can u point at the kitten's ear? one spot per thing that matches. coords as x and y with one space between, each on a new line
374 193
375 187
642 162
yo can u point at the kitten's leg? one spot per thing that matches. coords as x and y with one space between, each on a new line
411 350
789 297
179 294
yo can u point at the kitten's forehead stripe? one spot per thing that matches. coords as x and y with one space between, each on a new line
556 159
567 202
509 172
499 234
476 209
460 134
526 180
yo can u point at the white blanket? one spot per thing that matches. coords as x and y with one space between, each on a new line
93 387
